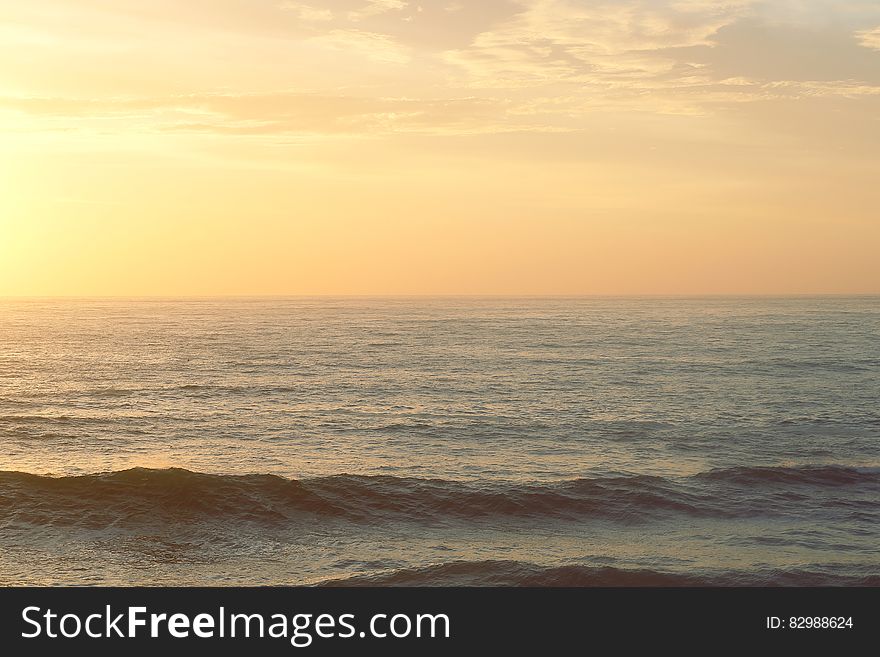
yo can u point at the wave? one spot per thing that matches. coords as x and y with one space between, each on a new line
142 495
211 389
813 475
524 574
6 420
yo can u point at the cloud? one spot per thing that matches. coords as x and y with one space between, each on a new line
870 38
377 7
678 56
307 13
822 88
388 66
554 40
282 113
369 45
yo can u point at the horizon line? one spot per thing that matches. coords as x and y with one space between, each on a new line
631 295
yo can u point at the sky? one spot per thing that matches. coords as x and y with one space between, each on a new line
279 147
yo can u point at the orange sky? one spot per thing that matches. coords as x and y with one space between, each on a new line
397 147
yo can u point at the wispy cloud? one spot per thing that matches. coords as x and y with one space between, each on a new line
284 112
559 40
870 38
308 13
377 7
651 55
368 45
394 65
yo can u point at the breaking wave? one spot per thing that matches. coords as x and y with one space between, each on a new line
142 495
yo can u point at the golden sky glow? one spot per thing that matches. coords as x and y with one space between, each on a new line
163 147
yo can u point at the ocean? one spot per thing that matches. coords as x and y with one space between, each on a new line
440 441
